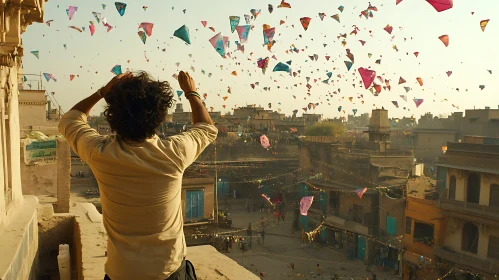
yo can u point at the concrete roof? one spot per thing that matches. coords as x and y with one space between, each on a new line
470 168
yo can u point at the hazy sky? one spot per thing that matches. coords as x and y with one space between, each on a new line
416 27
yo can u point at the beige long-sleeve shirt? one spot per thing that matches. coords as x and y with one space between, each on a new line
140 189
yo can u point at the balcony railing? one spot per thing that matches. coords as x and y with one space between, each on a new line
489 267
467 207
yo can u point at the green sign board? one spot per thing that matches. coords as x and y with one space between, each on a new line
41 152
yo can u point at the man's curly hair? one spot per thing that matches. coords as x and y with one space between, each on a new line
137 106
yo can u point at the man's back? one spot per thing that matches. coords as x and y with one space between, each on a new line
140 186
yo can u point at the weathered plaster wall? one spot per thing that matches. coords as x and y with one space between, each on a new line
462 181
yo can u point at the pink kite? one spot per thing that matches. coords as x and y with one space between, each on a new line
305 21
388 28
367 76
71 11
305 204
147 26
444 39
264 141
418 101
92 28
361 192
441 5
204 22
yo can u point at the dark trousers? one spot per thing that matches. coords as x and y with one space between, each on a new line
186 271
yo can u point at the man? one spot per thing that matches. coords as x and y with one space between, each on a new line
140 175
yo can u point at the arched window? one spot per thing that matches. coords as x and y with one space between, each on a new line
470 238
473 188
452 187
494 196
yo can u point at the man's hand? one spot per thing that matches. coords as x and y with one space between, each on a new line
107 88
187 84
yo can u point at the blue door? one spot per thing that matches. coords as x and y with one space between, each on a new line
223 187
194 204
361 247
391 226
441 178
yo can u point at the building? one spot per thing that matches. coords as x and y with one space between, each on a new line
179 116
36 113
18 213
468 176
424 228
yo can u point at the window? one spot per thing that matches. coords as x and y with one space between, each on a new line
494 196
473 189
452 187
391 225
358 214
423 233
408 225
470 238
194 204
334 200
493 247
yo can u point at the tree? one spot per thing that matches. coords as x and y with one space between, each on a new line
325 129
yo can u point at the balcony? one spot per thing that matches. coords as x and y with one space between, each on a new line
483 266
341 223
468 208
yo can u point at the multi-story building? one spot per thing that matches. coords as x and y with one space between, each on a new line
469 184
36 113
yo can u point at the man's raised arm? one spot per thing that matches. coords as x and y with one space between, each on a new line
199 112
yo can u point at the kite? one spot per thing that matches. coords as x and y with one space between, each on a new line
268 35
440 5
142 36
116 70
369 55
204 22
420 81
348 64
416 54
407 89
490 71
264 141
483 24
282 67
362 42
305 204
234 73
305 21
284 5
49 77
104 6
243 32
71 77
339 108
247 18
282 22
354 111
481 87
378 61
388 28
336 17
395 103
255 12
397 2
104 22
234 21
418 101
448 73
92 28
179 93
97 16
65 46
341 8
367 76
147 27
76 28
361 192
121 7
71 11
240 47
36 53
49 21
217 42
321 16
401 80
145 8
444 39
263 64
403 97
183 33
271 8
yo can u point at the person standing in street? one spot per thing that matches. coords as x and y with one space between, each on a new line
140 175
263 236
